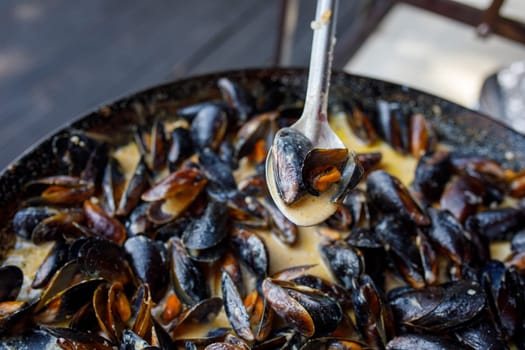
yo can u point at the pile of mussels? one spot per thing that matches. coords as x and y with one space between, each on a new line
135 256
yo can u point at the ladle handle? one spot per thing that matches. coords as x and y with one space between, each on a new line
315 107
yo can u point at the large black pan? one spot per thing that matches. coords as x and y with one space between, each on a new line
461 128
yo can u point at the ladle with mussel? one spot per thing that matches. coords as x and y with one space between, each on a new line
308 168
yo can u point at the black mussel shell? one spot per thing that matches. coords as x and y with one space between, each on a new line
208 230
323 167
73 339
237 97
390 196
497 224
25 220
105 259
209 127
284 229
147 262
251 250
235 309
433 171
307 310
447 233
188 278
344 261
289 151
440 308
373 315
203 312
181 147
11 279
329 343
56 258
138 221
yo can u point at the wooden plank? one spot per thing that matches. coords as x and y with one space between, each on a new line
81 54
59 58
249 45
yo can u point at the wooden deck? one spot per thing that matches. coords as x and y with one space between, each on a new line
60 58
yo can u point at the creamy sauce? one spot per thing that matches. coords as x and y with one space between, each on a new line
128 157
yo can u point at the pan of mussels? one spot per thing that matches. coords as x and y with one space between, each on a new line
147 224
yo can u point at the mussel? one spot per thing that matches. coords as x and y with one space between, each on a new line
289 151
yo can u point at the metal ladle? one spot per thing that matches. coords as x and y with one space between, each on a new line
313 123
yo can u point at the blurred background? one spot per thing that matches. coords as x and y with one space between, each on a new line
60 58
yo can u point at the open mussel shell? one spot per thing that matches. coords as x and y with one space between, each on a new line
64 224
15 316
174 184
138 183
170 198
158 146
280 226
373 317
236 97
67 302
214 335
188 278
359 120
256 132
322 168
148 264
112 309
60 190
247 210
202 312
107 260
308 310
103 225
